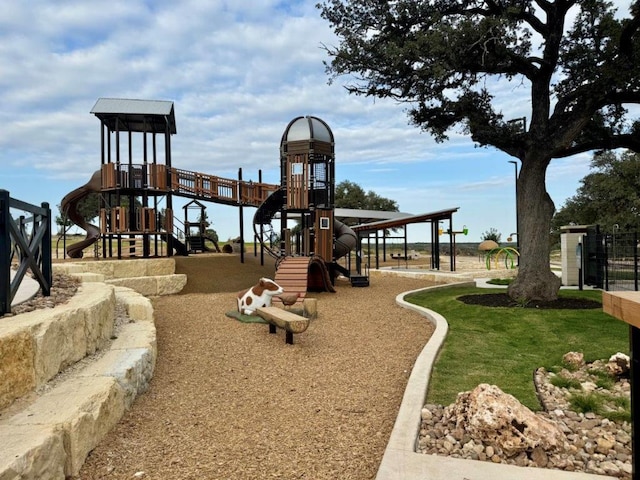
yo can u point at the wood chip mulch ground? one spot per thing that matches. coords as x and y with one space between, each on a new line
230 401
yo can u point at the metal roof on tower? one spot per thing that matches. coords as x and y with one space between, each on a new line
306 129
154 116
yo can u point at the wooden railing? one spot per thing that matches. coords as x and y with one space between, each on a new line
186 183
29 240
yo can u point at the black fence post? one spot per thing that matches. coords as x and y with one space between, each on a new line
5 254
635 261
47 269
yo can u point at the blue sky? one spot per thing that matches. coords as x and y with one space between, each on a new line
237 72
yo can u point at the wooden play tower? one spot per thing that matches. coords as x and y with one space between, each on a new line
135 165
307 171
310 239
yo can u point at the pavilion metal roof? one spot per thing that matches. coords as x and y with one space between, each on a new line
365 216
132 115
405 220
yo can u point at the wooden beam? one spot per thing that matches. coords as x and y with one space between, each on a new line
624 306
289 321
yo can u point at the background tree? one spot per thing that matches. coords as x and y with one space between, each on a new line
88 207
448 59
208 231
351 195
492 234
608 196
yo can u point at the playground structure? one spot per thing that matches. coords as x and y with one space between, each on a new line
137 182
452 234
510 257
136 196
195 232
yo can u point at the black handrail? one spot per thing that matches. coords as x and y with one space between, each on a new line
33 247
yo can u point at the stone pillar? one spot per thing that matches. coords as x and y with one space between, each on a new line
570 236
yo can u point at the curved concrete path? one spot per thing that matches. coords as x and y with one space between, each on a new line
401 461
26 290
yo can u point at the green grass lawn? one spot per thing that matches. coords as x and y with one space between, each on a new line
503 346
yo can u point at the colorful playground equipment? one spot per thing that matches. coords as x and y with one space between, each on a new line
509 254
136 191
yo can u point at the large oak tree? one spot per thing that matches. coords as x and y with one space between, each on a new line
577 59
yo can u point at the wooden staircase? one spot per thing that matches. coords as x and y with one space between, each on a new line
297 275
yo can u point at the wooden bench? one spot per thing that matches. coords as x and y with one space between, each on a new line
289 321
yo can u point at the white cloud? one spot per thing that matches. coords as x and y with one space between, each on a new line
238 72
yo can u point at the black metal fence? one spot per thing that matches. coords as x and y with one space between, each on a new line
25 244
611 261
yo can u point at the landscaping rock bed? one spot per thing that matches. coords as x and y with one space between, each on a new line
63 288
591 442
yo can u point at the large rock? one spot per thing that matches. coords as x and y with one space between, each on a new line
131 368
32 452
171 284
498 419
17 357
574 359
110 269
619 364
152 286
61 340
83 410
137 306
35 346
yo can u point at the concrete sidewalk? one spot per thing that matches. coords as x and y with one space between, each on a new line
27 290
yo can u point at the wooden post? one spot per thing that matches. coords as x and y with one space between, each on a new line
625 306
261 225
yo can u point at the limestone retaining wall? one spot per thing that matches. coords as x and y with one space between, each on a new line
109 269
149 276
52 434
35 346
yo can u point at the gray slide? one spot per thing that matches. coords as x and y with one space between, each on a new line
346 239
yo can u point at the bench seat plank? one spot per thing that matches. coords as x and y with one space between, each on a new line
284 319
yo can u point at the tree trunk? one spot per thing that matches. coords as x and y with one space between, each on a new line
535 280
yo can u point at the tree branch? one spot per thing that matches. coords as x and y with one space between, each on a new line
611 142
630 29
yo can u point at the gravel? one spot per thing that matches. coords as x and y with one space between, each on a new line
594 444
63 287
